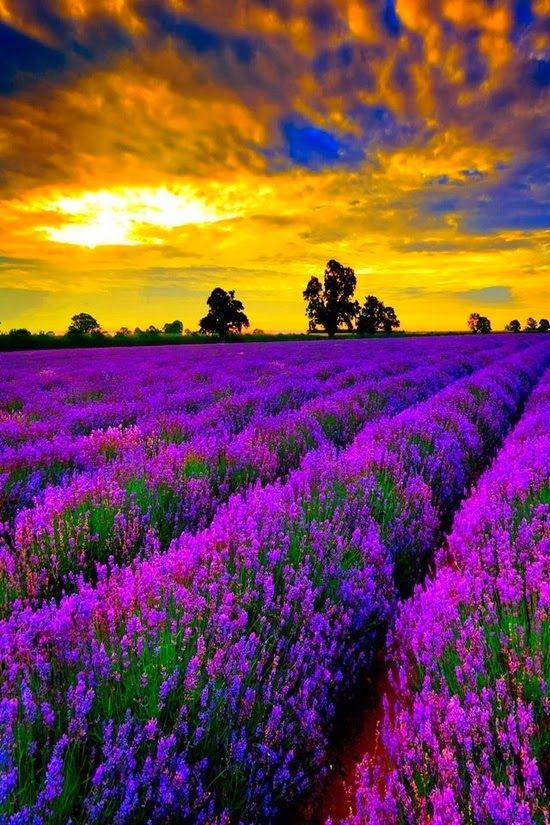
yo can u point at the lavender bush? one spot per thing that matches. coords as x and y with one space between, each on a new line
139 490
466 740
200 683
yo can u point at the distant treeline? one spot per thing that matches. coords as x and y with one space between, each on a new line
331 308
19 339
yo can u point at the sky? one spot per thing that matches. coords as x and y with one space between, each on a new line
151 150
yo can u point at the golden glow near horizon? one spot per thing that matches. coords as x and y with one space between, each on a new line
125 216
149 154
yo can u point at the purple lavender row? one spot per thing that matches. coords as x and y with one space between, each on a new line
84 399
134 506
44 448
108 514
35 459
202 685
38 445
467 740
31 465
83 390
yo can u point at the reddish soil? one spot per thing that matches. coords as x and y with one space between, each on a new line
335 797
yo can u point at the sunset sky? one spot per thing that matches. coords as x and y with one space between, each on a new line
151 150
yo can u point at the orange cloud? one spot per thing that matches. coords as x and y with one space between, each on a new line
151 172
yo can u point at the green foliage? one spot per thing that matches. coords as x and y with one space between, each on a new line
173 328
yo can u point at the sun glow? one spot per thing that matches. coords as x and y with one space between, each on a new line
245 146
130 216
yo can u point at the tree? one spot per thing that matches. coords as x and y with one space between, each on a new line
331 303
152 330
20 332
370 316
374 315
544 325
473 321
513 326
173 328
531 325
83 324
479 323
390 321
225 314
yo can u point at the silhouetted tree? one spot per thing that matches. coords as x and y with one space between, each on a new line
544 325
479 323
20 333
225 314
331 303
513 326
374 316
390 321
83 324
531 325
258 331
370 316
152 330
173 328
123 332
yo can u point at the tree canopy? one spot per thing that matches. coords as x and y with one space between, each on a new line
390 321
331 303
374 315
513 326
225 314
479 323
83 324
173 328
530 325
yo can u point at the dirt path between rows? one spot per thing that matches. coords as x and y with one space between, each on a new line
358 736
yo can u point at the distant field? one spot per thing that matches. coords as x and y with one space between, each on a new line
203 548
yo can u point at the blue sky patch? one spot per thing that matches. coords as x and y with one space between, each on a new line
314 148
391 19
540 73
198 38
22 56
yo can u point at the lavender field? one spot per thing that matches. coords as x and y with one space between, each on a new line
204 549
